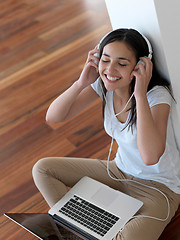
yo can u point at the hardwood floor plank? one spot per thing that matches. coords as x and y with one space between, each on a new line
18 129
60 53
91 146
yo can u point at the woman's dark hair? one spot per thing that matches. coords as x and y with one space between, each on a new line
140 47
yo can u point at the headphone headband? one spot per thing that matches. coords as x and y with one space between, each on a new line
149 46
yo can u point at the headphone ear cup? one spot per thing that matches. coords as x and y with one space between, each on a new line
98 56
141 62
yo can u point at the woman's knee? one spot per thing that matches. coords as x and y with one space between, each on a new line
46 167
41 167
40 164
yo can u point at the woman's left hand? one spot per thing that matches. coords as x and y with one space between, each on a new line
143 74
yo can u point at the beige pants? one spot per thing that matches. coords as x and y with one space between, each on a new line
53 175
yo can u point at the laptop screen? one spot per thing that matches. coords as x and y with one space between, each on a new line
42 226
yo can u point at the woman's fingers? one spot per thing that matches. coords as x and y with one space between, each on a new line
93 56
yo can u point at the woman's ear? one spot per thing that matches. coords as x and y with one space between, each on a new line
132 76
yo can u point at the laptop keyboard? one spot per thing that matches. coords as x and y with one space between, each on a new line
89 215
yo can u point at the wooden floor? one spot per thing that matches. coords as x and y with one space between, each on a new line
44 44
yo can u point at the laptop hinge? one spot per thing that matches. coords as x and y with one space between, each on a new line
74 228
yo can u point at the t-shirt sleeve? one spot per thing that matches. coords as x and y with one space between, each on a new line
159 95
97 86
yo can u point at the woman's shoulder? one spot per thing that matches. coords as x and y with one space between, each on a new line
158 89
158 95
97 87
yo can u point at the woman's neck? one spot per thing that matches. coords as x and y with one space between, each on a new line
122 96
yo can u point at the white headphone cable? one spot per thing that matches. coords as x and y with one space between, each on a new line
130 180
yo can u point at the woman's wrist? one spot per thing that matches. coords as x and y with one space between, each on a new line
78 84
140 97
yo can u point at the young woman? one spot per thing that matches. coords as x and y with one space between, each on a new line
147 152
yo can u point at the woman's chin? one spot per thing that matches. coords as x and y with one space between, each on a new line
110 85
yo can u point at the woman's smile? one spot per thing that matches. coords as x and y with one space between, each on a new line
111 79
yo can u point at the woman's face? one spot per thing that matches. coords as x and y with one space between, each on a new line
116 65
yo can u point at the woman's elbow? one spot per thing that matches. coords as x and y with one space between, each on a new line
49 119
52 119
152 159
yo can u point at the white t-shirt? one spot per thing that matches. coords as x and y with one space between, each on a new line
128 159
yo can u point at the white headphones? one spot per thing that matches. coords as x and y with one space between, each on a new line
149 46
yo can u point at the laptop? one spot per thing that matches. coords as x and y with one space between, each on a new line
43 226
94 210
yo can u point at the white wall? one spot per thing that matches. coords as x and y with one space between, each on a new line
140 15
159 21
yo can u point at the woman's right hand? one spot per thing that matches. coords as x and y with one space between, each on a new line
90 71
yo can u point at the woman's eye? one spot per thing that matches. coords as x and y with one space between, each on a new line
122 65
107 61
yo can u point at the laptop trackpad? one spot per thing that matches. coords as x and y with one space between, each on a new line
105 197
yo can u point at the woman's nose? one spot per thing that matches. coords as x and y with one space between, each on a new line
111 67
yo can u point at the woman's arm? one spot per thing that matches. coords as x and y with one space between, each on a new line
151 123
78 96
151 130
70 103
